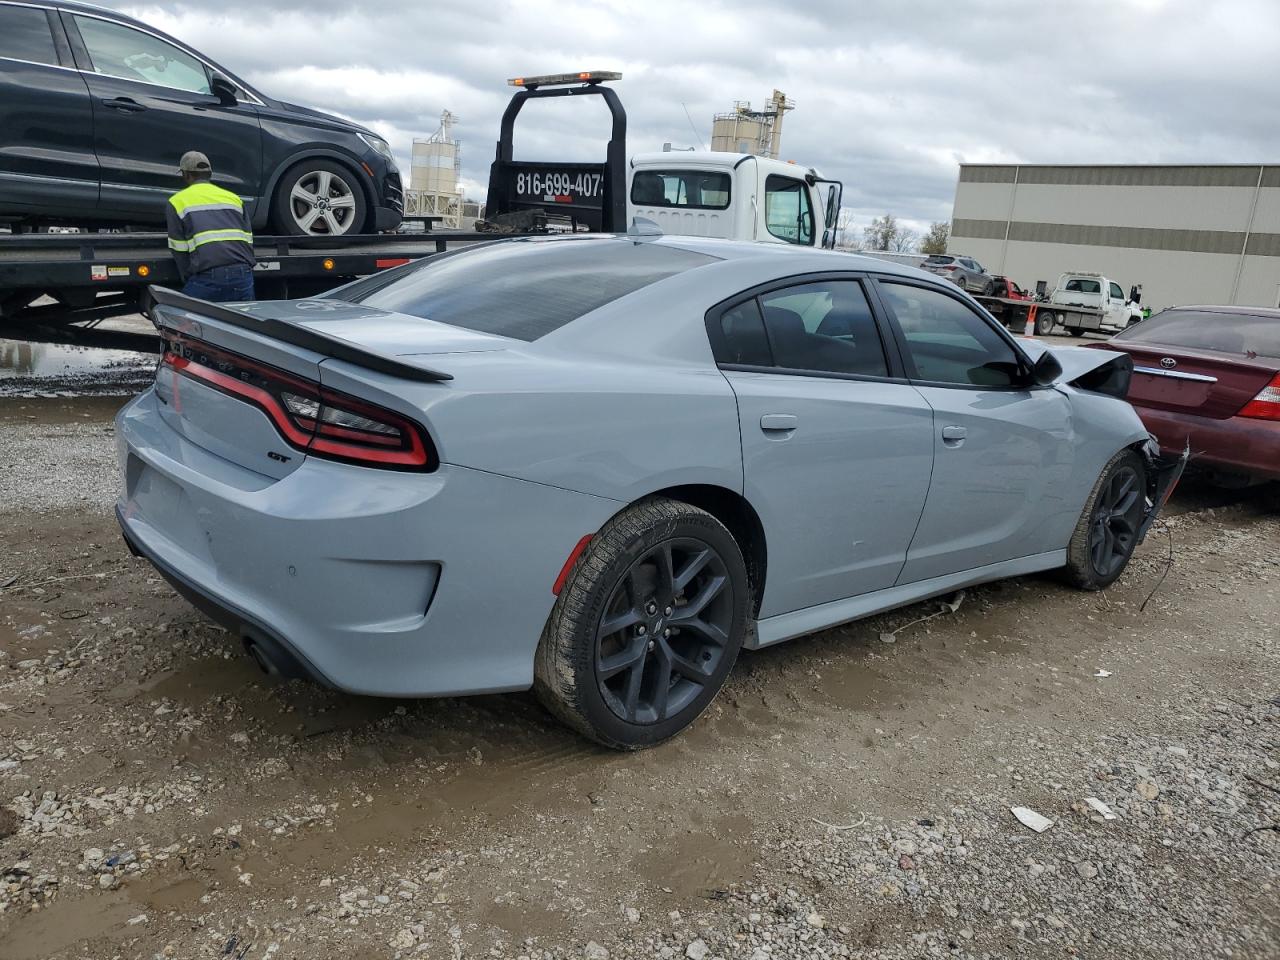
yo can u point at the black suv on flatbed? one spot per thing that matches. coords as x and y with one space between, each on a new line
96 108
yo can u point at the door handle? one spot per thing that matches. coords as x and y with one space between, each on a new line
779 422
124 105
954 436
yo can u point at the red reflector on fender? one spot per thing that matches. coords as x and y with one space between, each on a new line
387 262
568 564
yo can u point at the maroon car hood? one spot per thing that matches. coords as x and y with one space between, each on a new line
1206 383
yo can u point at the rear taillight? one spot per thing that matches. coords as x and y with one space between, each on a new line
310 417
1266 405
951 266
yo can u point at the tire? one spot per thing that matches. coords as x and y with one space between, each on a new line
1106 533
962 284
989 288
1046 320
336 199
1076 331
618 578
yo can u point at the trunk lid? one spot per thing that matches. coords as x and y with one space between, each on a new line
242 360
1205 383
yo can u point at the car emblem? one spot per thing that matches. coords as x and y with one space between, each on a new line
1168 362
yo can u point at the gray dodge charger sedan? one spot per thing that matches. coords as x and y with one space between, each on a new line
602 465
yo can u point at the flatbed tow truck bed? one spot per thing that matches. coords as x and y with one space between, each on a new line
92 275
1040 317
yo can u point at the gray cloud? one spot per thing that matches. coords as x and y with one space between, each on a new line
890 95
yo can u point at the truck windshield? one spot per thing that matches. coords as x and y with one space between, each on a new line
1237 333
522 289
694 189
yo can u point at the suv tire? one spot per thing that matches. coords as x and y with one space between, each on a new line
319 198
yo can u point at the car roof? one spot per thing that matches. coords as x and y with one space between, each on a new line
78 7
1269 313
803 258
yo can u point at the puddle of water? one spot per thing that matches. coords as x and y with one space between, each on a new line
22 359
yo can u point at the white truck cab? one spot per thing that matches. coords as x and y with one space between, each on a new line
733 195
1096 292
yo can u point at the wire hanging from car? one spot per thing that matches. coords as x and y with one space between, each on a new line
1167 567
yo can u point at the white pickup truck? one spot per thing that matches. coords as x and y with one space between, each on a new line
1088 302
733 195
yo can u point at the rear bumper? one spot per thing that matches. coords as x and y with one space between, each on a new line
1238 445
374 582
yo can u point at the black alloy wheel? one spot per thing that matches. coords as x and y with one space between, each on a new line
1117 514
664 631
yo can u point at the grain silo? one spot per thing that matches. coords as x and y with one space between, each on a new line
743 130
433 176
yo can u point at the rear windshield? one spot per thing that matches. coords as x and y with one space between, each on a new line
1083 286
1204 330
523 289
696 189
938 258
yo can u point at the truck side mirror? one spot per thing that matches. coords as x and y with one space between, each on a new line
223 89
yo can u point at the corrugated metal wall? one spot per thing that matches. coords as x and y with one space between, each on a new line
1189 234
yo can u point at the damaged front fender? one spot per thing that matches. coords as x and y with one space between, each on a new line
1163 474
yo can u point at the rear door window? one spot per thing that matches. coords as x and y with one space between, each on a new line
824 326
787 213
25 35
691 189
523 289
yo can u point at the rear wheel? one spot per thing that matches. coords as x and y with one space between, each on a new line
1045 321
648 626
1107 532
318 198
1076 331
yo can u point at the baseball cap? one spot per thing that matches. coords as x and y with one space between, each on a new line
193 161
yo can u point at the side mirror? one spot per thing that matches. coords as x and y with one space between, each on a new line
1046 370
223 89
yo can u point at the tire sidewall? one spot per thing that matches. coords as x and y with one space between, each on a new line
282 213
595 594
1080 563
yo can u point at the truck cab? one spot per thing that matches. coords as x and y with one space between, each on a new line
733 195
1093 290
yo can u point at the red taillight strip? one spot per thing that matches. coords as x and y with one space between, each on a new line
246 391
329 439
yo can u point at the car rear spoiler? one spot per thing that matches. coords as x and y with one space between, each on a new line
299 336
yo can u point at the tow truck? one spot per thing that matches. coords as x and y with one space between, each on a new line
68 277
1082 302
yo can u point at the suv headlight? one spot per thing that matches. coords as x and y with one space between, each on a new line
379 146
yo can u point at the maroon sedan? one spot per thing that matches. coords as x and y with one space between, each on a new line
1211 376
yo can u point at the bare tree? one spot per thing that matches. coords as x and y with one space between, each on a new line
935 240
844 229
905 240
881 233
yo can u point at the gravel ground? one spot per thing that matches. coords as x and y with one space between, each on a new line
844 797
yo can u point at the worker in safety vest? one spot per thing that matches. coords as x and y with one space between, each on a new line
209 235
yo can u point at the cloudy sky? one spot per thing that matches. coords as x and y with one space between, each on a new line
889 96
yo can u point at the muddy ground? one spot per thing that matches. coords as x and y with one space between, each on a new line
844 796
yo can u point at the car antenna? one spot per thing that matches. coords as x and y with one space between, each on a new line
643 230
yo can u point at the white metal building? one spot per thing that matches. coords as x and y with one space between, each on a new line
1187 233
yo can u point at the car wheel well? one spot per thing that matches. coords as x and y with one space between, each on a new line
741 519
